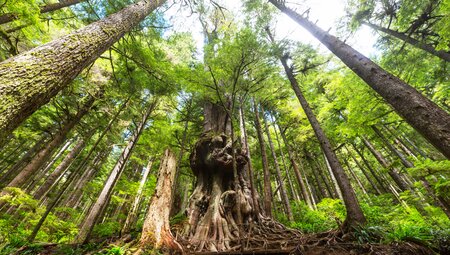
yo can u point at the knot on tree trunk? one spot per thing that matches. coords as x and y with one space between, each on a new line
213 152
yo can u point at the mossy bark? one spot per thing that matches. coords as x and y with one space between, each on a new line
31 79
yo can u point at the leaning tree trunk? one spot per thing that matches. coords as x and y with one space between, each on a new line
26 158
265 164
75 191
31 79
408 39
100 204
133 213
392 171
284 196
41 157
355 216
297 172
420 112
60 169
156 230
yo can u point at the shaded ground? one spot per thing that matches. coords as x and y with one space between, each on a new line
317 244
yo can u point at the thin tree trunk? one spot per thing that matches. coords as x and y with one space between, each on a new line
40 158
393 172
293 191
355 216
8 17
284 197
43 171
77 188
13 152
391 148
322 193
248 167
297 172
333 179
420 112
408 164
357 180
408 39
375 188
60 169
14 170
93 148
267 184
114 176
156 230
133 213
372 171
29 80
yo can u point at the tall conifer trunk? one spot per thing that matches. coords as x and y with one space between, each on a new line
133 213
42 156
284 196
297 172
31 79
420 112
105 194
408 39
355 216
60 169
265 164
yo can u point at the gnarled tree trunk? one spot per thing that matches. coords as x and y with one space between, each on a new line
213 206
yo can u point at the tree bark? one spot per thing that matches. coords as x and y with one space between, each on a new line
393 172
420 112
133 213
42 156
8 17
213 217
43 171
408 39
372 171
14 170
156 230
29 80
293 191
284 196
297 172
100 204
355 216
60 169
76 192
375 188
248 167
265 164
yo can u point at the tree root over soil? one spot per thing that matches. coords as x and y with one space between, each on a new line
271 237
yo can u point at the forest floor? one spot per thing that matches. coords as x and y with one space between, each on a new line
314 244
